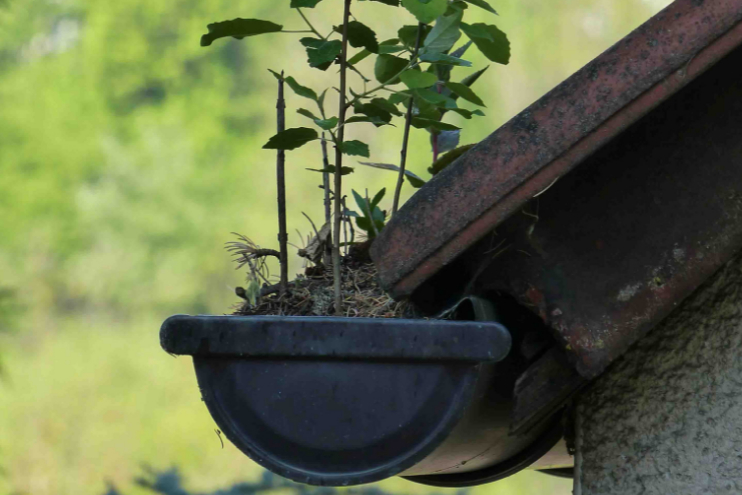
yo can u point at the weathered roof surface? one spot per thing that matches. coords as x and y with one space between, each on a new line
555 134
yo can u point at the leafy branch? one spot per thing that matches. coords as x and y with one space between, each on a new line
420 83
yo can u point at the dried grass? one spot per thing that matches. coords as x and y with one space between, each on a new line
311 294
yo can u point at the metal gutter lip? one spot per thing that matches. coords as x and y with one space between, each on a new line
552 136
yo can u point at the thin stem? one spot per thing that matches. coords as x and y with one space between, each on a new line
283 237
309 24
342 107
407 124
411 65
326 180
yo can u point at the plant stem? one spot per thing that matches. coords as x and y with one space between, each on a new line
342 107
309 24
326 180
407 124
283 237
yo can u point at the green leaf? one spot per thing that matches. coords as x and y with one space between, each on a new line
377 198
330 169
414 179
238 28
360 202
399 97
301 90
321 53
307 113
388 46
414 79
465 92
426 12
442 58
373 111
387 106
472 78
365 225
393 3
388 67
360 35
492 42
435 98
445 33
355 148
291 139
437 125
309 4
447 159
321 100
408 35
482 4
327 124
364 118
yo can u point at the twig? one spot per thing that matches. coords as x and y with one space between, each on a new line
314 227
326 179
309 24
342 107
283 236
407 124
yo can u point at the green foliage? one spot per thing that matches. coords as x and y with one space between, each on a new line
426 73
371 219
291 139
426 11
238 28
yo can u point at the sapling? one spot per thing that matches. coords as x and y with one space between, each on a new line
421 58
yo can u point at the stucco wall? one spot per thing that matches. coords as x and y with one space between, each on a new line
667 417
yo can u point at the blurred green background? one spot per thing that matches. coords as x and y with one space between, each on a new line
127 156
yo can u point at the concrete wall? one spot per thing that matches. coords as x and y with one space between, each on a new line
667 417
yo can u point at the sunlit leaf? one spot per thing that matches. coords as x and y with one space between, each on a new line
444 34
291 139
301 90
465 92
327 124
492 42
388 67
408 35
238 28
442 58
355 148
414 79
307 113
426 12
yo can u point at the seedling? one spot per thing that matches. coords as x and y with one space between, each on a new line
413 80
